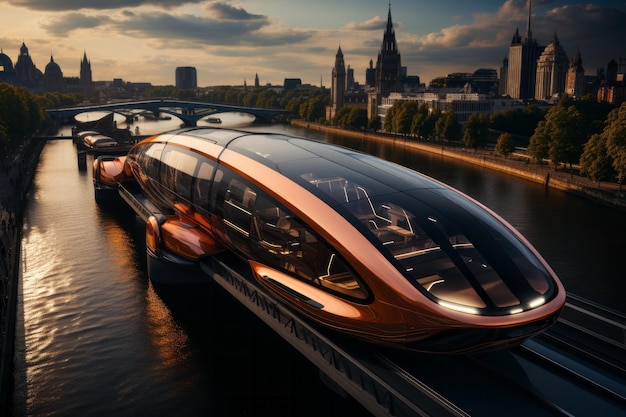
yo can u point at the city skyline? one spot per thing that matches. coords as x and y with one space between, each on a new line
229 42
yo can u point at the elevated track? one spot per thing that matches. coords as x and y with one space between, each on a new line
577 368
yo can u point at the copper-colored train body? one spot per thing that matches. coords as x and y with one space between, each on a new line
388 255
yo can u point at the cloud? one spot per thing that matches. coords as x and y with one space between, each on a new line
595 29
376 23
225 11
63 25
73 5
226 25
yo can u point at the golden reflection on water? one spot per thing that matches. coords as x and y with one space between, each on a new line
91 320
169 339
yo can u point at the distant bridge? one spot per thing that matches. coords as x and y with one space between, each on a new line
188 111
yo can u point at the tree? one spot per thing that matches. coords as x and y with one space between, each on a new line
615 134
374 123
403 119
388 122
448 126
419 120
476 130
313 109
561 136
539 143
567 135
595 161
521 122
20 115
428 130
351 118
504 145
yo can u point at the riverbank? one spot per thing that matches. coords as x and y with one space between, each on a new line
16 175
518 165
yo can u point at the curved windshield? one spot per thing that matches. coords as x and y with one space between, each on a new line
445 245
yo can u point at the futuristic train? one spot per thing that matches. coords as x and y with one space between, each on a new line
361 245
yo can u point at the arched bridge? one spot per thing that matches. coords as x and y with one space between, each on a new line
188 111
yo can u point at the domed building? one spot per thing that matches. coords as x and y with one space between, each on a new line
53 77
552 68
27 73
7 72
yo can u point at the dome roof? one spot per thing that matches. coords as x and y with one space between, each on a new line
5 62
53 67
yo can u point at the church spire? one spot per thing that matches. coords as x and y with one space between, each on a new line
529 33
389 38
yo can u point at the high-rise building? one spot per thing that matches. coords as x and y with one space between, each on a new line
338 85
552 68
522 64
575 83
504 71
350 78
186 78
388 76
86 82
388 65
370 75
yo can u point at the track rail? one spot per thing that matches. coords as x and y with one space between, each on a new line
578 367
359 377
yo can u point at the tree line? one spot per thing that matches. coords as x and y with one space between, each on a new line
23 113
573 132
580 132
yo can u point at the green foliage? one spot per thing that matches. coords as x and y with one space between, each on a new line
595 161
615 134
476 130
521 122
350 118
55 100
314 108
539 143
20 115
419 120
374 124
448 126
561 137
504 145
403 118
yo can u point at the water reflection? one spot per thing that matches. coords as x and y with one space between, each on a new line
96 338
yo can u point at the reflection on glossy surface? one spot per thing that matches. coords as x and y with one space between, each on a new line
580 239
95 338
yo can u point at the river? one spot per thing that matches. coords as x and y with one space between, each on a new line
96 338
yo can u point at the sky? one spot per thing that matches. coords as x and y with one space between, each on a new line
229 42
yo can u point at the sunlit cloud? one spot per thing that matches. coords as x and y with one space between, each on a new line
72 5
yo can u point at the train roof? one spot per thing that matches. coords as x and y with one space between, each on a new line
429 231
296 158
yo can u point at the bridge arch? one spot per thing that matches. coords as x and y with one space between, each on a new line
188 111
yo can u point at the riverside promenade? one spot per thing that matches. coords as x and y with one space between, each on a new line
607 193
16 174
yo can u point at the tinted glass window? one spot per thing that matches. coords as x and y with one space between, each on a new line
444 244
261 228
149 158
283 241
177 170
202 185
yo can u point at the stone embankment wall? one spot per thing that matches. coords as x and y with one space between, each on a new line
605 193
16 174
